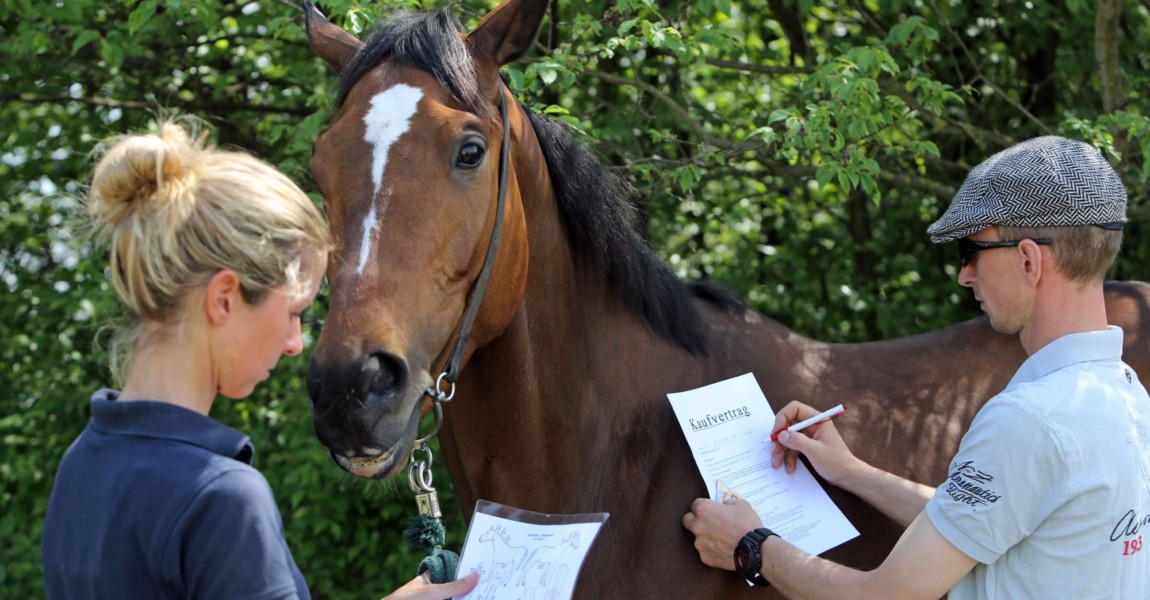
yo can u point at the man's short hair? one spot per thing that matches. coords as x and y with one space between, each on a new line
1081 253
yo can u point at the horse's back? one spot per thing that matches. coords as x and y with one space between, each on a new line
909 402
1128 307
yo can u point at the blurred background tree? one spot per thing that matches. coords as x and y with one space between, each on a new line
793 151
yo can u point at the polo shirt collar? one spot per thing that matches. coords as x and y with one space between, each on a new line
1074 348
161 420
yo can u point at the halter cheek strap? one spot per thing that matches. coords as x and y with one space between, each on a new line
426 531
451 369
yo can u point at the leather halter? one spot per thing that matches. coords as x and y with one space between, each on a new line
451 368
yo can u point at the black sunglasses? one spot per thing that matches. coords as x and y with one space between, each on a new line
968 248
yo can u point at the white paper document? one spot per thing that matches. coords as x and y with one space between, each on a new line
728 426
523 554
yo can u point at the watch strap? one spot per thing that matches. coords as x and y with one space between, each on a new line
754 539
762 534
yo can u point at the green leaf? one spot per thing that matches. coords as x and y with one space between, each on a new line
112 53
778 115
825 173
144 11
515 74
626 26
83 39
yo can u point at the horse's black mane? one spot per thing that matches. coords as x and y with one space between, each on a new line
595 206
594 202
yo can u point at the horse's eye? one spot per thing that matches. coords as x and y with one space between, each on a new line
470 155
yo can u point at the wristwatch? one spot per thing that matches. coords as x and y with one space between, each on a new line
749 555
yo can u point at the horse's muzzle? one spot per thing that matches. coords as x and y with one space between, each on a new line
364 411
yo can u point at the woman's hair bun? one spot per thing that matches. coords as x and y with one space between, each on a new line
144 173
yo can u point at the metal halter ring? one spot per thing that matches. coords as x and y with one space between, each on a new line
421 443
437 391
419 475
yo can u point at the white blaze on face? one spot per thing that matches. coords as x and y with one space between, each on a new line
389 117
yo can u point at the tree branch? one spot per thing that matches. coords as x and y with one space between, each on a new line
994 86
679 111
753 68
64 98
295 5
1106 24
979 135
1106 53
777 168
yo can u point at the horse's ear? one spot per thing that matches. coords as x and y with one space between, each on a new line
506 33
334 45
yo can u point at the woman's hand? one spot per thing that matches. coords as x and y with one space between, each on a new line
421 588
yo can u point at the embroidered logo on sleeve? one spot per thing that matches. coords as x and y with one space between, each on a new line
1128 531
970 486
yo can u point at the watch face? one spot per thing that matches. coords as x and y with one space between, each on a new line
748 557
742 558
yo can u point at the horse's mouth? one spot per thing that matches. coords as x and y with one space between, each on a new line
370 467
389 457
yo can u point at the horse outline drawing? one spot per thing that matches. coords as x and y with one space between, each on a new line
549 561
539 566
505 561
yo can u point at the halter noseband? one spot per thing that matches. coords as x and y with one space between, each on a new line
451 368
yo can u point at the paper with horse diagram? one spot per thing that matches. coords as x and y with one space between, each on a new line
525 555
728 426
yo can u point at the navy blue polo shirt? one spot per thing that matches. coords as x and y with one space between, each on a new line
157 501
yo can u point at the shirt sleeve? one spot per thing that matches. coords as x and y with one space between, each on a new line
1009 474
231 543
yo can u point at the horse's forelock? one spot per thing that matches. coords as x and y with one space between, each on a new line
428 41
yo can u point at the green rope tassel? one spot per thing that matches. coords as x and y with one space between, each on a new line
429 534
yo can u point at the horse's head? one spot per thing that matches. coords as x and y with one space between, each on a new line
409 167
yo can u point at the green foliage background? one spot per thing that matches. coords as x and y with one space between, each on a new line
792 150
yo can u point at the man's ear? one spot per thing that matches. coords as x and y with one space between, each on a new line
221 296
1033 261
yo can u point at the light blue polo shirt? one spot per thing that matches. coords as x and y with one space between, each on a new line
157 501
1050 488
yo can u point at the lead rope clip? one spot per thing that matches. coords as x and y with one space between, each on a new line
426 531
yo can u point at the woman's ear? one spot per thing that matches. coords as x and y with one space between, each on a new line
221 296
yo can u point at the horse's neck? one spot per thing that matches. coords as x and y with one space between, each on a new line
577 382
531 387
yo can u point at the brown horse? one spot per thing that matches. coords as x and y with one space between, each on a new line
560 405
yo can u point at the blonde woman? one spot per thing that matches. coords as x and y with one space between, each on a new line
214 255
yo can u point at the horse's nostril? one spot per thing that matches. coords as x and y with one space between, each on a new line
384 375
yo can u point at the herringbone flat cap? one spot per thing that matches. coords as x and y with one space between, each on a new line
1044 182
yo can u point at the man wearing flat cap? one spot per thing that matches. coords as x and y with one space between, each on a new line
1049 493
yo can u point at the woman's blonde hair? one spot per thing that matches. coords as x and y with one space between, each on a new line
174 211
